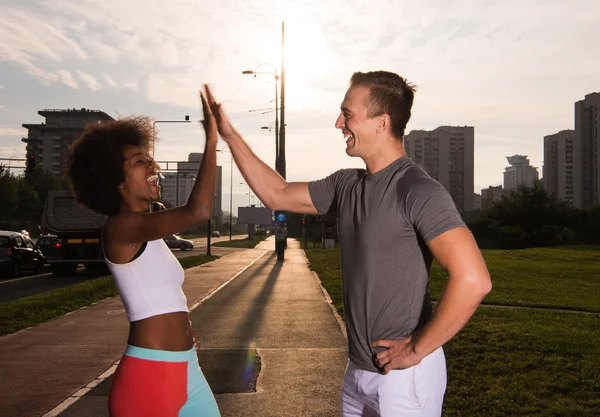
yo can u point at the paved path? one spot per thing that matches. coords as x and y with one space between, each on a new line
246 304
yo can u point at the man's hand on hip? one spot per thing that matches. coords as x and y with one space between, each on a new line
399 354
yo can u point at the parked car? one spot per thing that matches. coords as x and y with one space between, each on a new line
175 241
45 242
216 234
18 253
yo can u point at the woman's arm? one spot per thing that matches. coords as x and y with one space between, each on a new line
137 227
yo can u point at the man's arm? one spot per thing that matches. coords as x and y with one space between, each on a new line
468 282
268 185
275 192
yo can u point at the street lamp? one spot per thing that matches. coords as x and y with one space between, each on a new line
281 236
230 189
270 128
276 76
186 120
243 183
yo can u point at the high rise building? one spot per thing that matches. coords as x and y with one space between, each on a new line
477 201
586 152
177 186
558 174
490 196
519 172
447 154
50 140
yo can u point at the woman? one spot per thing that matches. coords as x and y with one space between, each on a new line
111 172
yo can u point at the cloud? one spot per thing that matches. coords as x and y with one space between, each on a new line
89 80
10 152
512 75
109 81
132 85
101 51
32 40
12 131
67 79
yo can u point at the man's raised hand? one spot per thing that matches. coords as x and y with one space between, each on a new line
226 130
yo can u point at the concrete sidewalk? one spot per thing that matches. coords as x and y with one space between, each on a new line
270 344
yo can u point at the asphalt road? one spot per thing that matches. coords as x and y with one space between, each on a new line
30 284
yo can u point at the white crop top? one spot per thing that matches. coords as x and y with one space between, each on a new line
150 284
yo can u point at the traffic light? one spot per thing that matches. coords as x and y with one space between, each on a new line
304 221
31 162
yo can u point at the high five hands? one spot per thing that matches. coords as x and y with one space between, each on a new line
209 122
215 111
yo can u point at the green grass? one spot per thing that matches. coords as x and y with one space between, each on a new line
326 263
239 243
563 277
33 310
512 362
509 362
192 261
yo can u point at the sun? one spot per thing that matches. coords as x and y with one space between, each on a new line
307 59
310 59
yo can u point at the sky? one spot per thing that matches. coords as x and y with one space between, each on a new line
512 69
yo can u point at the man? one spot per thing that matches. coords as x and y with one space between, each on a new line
393 220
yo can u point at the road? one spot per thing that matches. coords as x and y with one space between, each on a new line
16 288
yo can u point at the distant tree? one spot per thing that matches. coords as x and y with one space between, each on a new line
224 227
9 195
43 181
531 215
23 197
588 224
29 208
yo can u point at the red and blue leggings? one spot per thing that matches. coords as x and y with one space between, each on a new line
160 383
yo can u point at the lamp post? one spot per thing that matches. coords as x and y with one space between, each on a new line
269 128
281 150
281 237
186 120
243 183
276 76
230 189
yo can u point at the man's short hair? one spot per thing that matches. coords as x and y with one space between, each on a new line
390 94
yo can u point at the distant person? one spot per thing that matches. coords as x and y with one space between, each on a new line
111 172
393 219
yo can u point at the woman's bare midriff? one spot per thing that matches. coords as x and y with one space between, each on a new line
171 331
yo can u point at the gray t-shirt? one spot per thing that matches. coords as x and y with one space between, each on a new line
385 221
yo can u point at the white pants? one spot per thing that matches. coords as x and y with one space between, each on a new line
413 392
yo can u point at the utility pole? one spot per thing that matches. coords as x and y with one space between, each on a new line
281 159
208 232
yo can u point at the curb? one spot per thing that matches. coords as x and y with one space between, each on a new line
337 316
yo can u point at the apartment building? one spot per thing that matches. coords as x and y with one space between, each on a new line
558 169
519 172
447 153
176 186
586 152
50 139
